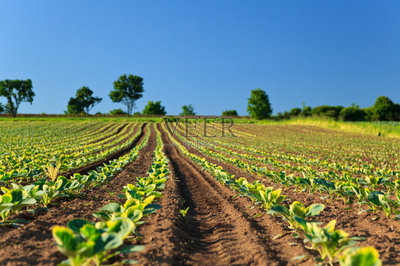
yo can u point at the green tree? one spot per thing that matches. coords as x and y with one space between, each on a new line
74 106
229 113
127 89
1 108
385 110
118 111
83 101
352 113
187 110
258 105
154 108
16 91
295 111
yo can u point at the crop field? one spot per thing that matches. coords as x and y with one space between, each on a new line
100 192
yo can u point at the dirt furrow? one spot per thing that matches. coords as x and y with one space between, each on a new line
218 228
33 244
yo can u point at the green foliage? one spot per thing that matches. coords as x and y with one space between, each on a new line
352 113
16 91
295 111
127 89
2 108
306 111
297 211
154 108
118 111
229 113
74 106
327 111
365 256
85 243
258 105
13 200
83 101
187 110
385 110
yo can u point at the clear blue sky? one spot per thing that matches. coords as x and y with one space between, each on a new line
206 53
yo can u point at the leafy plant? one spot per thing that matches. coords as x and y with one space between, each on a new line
85 243
297 211
13 200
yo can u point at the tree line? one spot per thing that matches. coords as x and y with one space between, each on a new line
128 89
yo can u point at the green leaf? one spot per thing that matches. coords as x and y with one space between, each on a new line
76 224
111 207
65 239
374 197
131 249
314 209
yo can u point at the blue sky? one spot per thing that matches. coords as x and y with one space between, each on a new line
206 53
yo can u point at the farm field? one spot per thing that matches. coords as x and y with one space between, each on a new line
117 191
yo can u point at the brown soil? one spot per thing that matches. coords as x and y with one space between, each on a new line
33 244
383 233
219 228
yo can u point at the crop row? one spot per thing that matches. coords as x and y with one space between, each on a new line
84 242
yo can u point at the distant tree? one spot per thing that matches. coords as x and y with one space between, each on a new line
16 91
385 109
327 111
118 111
154 108
137 113
295 112
83 101
74 106
306 111
258 105
229 113
1 108
127 89
353 113
187 110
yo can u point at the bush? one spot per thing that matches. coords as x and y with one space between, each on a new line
307 111
295 112
229 113
118 112
327 111
353 113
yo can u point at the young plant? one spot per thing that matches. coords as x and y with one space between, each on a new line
13 200
326 240
85 243
184 211
296 211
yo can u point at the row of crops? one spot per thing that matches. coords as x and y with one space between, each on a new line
374 188
85 242
29 151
